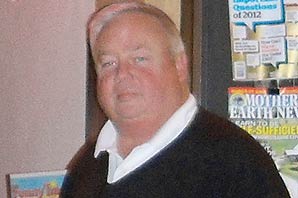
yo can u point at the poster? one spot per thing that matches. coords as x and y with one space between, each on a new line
36 184
271 117
264 39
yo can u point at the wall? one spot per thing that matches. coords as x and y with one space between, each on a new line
171 7
42 83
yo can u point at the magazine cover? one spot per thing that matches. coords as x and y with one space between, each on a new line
35 185
264 39
271 117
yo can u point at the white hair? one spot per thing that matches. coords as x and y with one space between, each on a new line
100 18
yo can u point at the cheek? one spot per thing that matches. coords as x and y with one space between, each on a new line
104 91
163 86
153 86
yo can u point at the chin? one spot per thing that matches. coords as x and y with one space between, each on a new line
129 115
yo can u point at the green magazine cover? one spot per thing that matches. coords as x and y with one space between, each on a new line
271 117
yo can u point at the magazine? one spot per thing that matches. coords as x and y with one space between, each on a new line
44 184
271 117
264 39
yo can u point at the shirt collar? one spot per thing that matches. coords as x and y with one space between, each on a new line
107 139
175 124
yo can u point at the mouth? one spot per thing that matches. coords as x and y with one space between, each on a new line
126 96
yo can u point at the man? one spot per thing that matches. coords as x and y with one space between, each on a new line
157 142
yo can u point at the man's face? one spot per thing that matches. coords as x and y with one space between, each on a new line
137 78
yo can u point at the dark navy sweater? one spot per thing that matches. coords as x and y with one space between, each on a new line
211 158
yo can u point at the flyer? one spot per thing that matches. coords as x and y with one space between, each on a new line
271 117
264 39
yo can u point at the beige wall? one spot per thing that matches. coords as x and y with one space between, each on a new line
171 7
42 83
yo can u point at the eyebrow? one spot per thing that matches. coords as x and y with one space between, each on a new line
140 47
100 52
132 49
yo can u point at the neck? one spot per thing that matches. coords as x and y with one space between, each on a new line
134 133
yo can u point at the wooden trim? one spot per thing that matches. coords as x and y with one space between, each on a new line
191 32
94 117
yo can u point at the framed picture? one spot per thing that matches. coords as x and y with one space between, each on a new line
35 184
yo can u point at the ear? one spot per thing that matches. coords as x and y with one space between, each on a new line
181 62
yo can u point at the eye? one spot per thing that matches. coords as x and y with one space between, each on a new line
140 59
106 61
108 64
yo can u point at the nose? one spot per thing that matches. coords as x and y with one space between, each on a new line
124 70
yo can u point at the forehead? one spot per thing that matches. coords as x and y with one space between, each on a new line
131 27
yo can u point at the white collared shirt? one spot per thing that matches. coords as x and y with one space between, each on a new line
119 167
